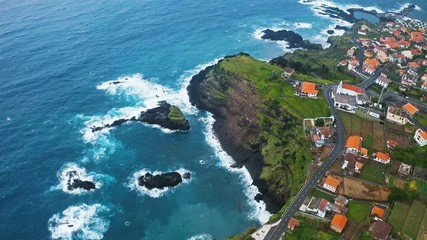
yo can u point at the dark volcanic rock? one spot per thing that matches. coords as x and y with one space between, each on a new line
338 27
160 181
186 175
160 115
337 13
74 182
294 39
240 106
330 31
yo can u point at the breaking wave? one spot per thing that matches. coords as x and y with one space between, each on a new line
259 211
81 174
80 222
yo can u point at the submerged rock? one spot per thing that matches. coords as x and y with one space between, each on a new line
75 182
170 179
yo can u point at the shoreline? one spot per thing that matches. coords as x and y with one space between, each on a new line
252 161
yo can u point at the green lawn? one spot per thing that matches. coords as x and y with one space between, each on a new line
368 142
373 172
421 118
311 229
359 211
352 123
414 219
309 78
266 78
398 215
319 194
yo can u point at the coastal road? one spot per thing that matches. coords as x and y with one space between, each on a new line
276 233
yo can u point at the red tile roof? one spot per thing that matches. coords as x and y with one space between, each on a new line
339 220
309 88
384 157
410 109
352 88
333 182
379 212
353 142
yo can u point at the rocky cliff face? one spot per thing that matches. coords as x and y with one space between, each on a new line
235 104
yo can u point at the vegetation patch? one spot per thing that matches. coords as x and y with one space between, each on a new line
373 172
398 215
176 114
358 211
311 229
267 79
412 155
414 219
319 194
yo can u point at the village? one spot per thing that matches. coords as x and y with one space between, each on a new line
367 194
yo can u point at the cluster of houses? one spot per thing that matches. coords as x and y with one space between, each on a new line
398 44
401 116
337 211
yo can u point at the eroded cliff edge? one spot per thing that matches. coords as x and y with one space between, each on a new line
251 124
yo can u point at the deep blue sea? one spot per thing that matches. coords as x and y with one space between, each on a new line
57 59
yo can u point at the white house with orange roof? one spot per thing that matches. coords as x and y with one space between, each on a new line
381 157
424 86
421 137
424 77
331 183
309 89
353 144
348 89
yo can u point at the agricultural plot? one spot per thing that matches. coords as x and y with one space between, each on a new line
414 219
397 133
422 233
373 172
422 189
358 211
371 131
361 189
398 215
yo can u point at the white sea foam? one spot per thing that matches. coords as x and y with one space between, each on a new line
201 237
259 211
80 222
155 192
147 94
81 174
302 25
8 119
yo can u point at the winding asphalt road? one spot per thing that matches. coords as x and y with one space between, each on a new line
276 233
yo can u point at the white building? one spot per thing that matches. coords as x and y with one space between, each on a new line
396 115
421 137
383 81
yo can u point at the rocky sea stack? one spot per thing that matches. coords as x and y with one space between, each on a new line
74 182
165 115
160 181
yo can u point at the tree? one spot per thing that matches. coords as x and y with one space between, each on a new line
320 122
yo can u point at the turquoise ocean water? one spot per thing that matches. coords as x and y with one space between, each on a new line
56 61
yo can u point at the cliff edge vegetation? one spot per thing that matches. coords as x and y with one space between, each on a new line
259 121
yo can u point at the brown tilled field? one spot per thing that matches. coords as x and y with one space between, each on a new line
360 189
397 133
